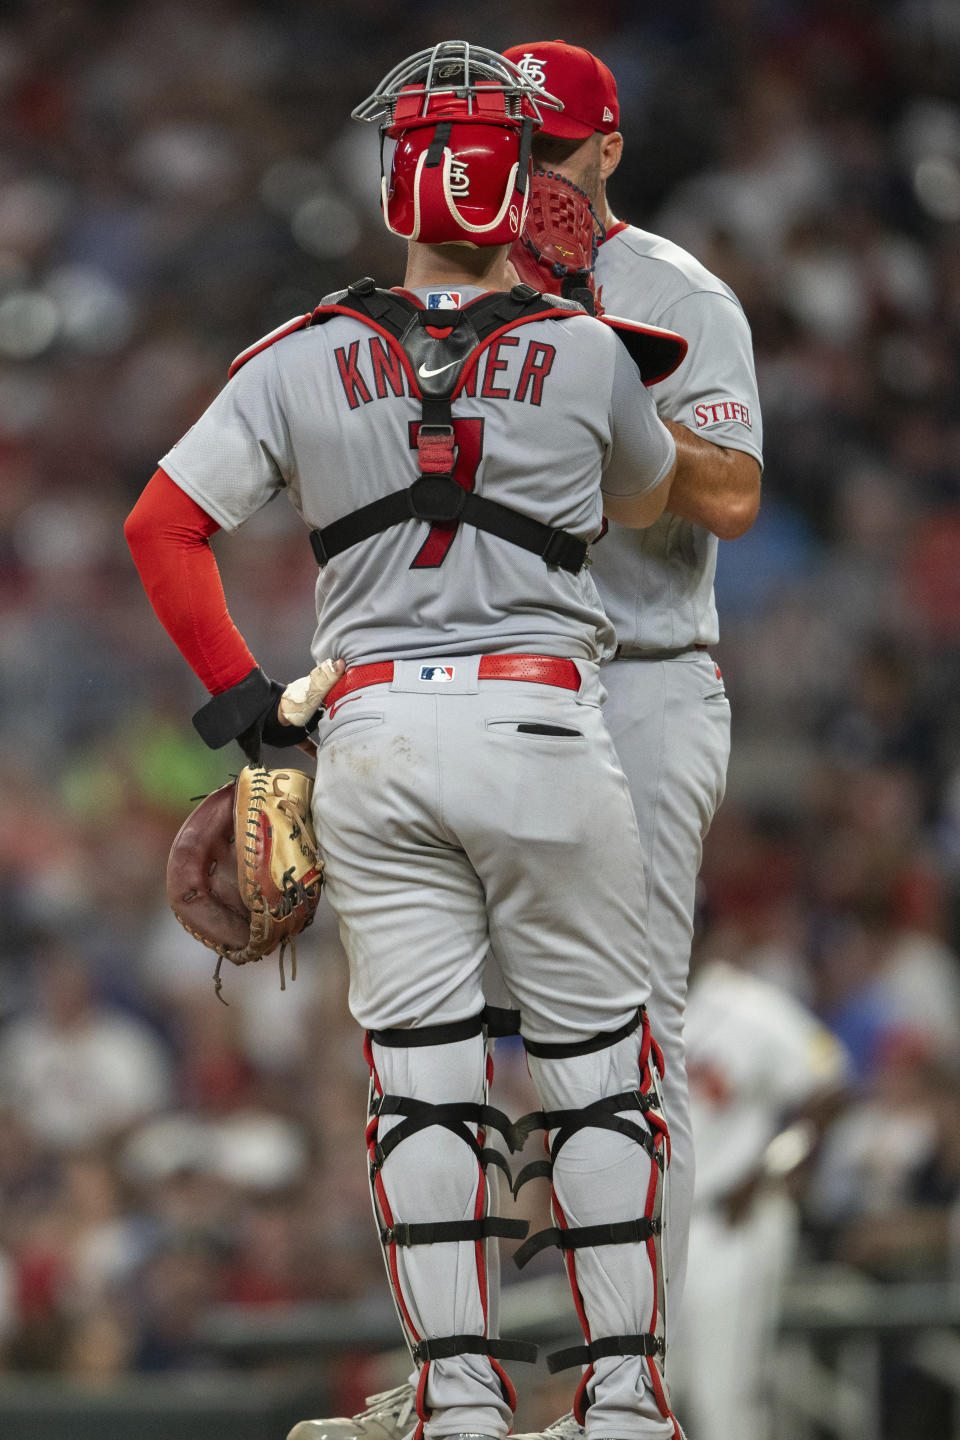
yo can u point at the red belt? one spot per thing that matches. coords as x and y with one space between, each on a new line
539 669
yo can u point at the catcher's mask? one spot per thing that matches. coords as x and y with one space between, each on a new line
463 118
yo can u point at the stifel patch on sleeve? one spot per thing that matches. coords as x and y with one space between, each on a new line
720 412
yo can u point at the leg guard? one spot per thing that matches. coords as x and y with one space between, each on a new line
608 1150
425 1137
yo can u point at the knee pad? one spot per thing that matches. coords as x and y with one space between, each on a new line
637 1114
458 1064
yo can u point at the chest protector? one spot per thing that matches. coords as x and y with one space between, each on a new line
438 350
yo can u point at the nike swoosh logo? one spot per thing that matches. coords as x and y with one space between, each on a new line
426 374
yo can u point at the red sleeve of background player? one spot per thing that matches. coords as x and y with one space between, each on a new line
169 539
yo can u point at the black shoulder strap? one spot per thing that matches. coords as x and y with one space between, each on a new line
439 345
386 307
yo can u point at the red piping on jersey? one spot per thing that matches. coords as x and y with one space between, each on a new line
614 230
395 345
169 538
266 342
472 359
392 340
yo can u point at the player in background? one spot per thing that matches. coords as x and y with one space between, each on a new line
765 1076
667 710
465 800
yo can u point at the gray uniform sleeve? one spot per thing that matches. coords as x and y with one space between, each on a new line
238 455
641 448
714 391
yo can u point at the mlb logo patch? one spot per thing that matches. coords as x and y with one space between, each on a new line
443 300
439 674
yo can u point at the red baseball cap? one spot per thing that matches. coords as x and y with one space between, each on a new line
584 84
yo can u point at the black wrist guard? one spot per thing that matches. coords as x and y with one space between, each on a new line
247 713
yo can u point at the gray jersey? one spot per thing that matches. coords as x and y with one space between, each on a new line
556 413
657 584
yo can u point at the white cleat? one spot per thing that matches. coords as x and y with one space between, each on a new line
390 1415
568 1427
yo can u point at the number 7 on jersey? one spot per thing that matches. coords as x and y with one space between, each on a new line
469 437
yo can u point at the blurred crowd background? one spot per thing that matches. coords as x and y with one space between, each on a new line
178 178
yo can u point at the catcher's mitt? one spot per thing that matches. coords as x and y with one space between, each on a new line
243 875
557 249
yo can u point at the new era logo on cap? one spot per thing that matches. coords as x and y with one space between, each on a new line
575 76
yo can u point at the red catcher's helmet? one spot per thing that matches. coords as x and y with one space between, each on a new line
463 118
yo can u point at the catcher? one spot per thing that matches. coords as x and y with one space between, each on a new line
452 446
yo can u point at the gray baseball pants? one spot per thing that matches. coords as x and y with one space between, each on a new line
448 828
670 722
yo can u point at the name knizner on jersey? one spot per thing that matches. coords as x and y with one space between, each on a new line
512 368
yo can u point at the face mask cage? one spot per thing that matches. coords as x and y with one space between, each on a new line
456 67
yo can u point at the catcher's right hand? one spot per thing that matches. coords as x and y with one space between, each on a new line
303 698
258 711
557 249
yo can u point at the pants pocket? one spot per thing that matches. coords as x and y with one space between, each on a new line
534 727
539 771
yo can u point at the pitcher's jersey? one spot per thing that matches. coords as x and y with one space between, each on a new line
657 584
754 1055
556 409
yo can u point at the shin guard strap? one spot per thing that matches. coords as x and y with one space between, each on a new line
446 1346
437 1231
601 1041
648 1345
489 1156
602 1114
536 1170
411 1038
579 1237
419 1115
500 1022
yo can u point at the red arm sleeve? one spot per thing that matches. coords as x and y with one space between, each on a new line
169 539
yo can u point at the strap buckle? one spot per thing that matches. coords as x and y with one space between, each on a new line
436 450
524 293
565 550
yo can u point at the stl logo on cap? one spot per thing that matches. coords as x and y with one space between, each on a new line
533 68
579 79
